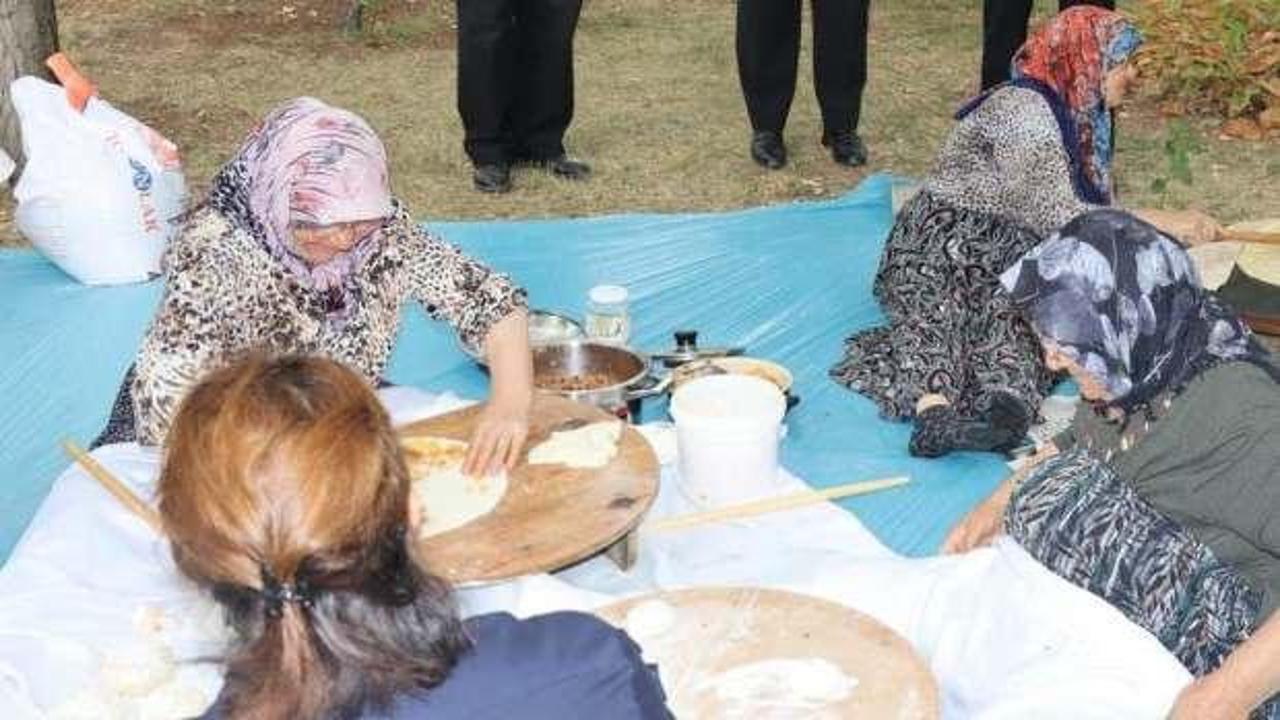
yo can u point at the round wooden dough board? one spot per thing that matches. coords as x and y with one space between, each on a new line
718 628
1260 260
1214 262
551 516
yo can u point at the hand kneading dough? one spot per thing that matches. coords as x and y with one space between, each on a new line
590 446
448 498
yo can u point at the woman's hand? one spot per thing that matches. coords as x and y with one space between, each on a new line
981 525
503 425
498 437
1245 680
1207 698
986 521
1192 227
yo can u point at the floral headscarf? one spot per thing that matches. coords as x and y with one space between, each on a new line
1072 54
1124 301
307 163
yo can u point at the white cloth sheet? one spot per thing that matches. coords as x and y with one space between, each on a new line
1004 637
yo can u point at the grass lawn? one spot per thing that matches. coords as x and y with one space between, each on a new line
659 110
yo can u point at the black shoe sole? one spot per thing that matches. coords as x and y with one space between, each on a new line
570 175
492 189
552 167
769 163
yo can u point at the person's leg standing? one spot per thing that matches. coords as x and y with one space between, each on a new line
486 46
1004 29
840 74
544 91
768 48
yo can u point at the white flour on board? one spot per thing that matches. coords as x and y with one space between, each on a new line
780 687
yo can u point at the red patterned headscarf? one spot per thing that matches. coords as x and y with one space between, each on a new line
1072 54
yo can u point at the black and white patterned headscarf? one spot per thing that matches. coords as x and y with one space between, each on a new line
1124 301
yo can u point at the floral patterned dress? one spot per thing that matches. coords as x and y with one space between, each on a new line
1003 182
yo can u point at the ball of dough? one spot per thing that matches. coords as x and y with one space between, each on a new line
650 619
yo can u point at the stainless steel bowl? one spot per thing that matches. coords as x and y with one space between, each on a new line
549 327
544 327
623 374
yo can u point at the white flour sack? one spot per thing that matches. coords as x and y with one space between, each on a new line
100 191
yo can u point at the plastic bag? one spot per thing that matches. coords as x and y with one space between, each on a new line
6 166
100 191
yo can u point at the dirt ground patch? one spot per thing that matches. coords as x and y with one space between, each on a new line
659 110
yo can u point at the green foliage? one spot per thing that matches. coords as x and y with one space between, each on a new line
1181 142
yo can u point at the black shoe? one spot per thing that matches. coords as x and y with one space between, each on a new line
768 150
566 169
560 166
1009 412
492 177
846 148
939 430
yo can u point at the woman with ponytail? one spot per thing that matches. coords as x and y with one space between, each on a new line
285 495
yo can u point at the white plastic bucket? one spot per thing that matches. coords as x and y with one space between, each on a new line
727 432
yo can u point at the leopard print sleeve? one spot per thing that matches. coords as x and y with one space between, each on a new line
454 287
183 340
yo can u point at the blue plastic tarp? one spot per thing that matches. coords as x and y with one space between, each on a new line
789 282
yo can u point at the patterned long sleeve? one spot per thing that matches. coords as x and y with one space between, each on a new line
225 294
456 288
183 341
1007 158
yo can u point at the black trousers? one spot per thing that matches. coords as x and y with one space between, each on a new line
1004 29
768 43
515 77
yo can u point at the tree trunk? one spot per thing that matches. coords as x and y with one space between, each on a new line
28 35
353 23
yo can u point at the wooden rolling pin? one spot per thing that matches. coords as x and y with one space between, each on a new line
773 504
113 485
1249 236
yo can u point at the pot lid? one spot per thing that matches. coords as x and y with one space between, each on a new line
687 349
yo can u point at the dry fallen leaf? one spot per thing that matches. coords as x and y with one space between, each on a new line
1242 129
1270 118
1173 108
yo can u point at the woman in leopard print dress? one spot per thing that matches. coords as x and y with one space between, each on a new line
1023 159
300 248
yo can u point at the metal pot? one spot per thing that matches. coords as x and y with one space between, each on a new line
615 376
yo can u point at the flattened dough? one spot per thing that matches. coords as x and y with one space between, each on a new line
447 498
590 446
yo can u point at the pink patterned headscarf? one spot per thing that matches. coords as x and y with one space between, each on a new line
309 163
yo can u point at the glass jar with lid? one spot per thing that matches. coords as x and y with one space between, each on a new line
607 317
